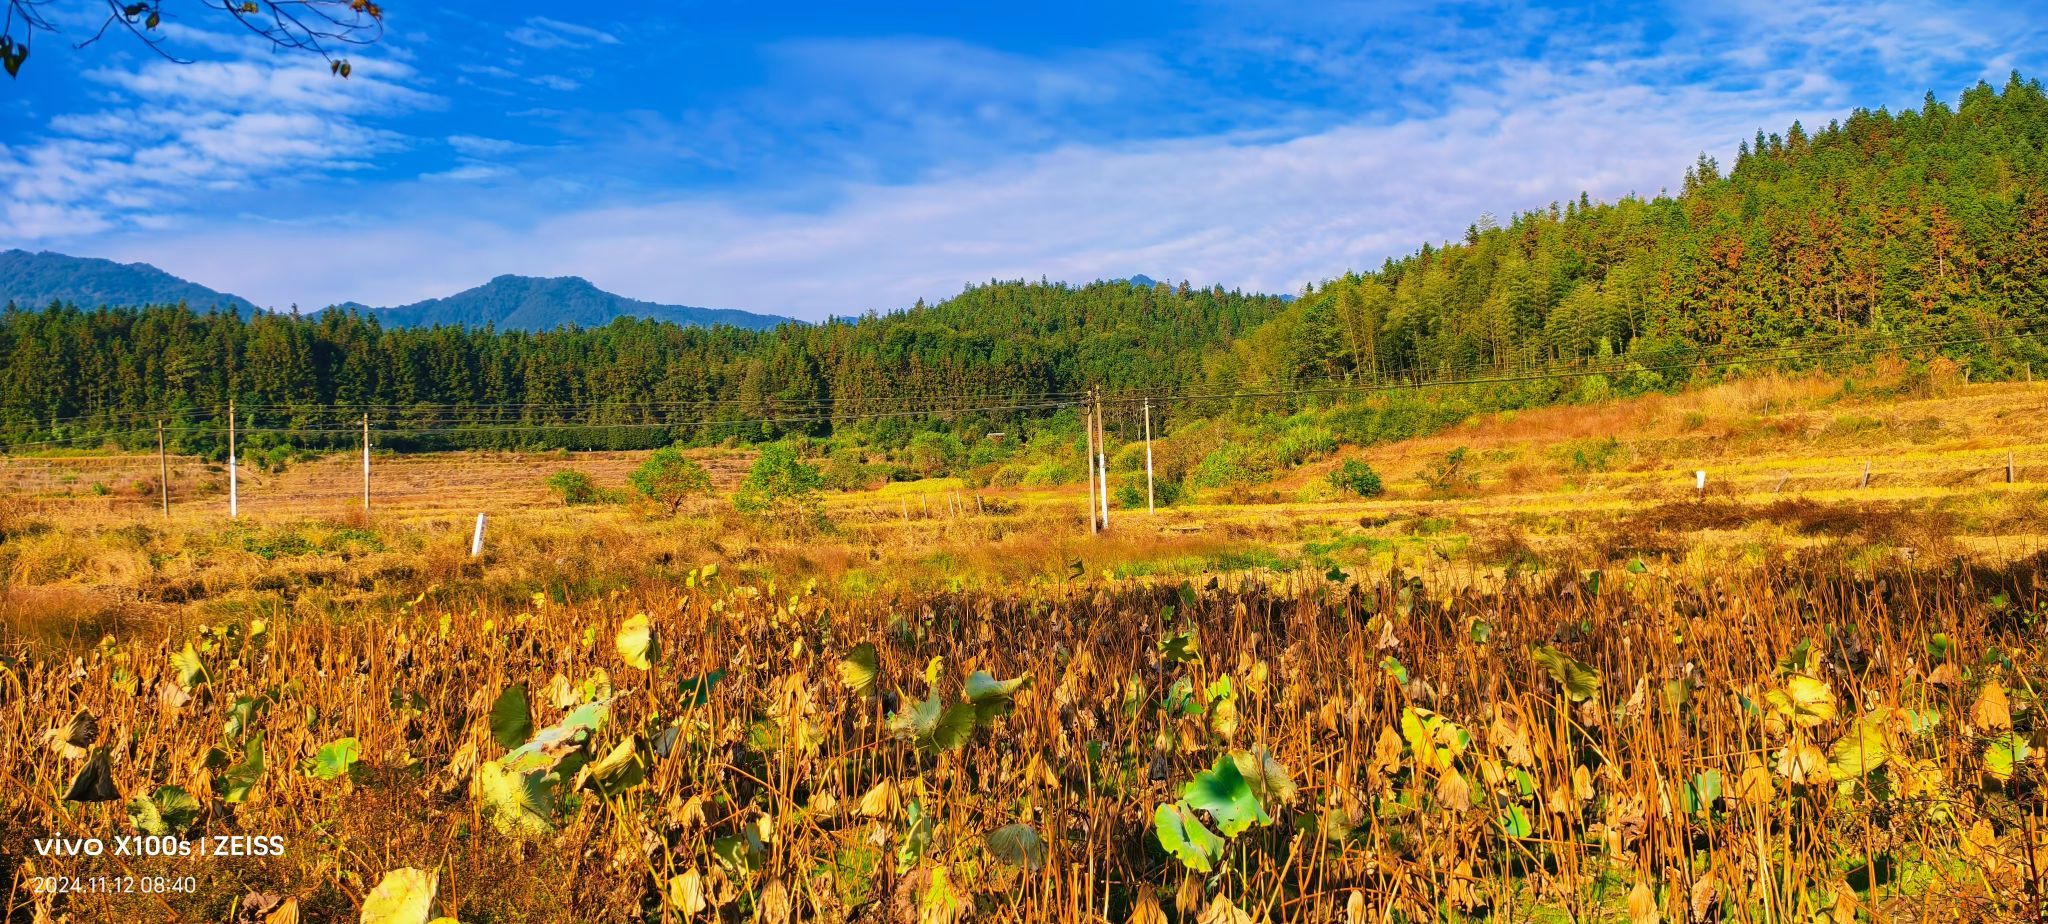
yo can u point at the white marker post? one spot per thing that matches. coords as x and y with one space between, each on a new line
1700 481
476 542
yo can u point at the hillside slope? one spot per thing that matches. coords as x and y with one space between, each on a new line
34 280
534 304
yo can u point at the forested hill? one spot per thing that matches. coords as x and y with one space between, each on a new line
1928 220
537 303
1911 224
41 278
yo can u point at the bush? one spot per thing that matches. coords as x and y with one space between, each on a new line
1593 454
1008 475
848 470
934 453
1232 465
1304 444
986 452
783 490
669 477
1128 458
1052 472
1448 473
1130 493
1358 478
574 488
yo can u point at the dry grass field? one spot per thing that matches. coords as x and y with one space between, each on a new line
1541 678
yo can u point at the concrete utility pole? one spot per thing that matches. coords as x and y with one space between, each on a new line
1088 459
1149 509
234 501
366 466
1102 459
163 469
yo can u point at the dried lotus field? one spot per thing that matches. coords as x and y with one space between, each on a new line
1564 685
1801 742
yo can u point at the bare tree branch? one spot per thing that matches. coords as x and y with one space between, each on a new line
318 26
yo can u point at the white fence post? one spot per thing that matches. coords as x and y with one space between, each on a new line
476 542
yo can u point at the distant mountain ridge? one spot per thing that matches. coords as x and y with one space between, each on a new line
34 280
542 303
507 302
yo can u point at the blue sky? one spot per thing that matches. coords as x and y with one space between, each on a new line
812 158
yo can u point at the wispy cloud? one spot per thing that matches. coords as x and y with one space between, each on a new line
1264 215
544 33
176 134
471 172
477 146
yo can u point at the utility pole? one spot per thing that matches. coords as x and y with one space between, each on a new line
234 500
1149 510
163 470
1088 459
1102 459
366 467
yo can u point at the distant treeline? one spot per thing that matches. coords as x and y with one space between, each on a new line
1916 226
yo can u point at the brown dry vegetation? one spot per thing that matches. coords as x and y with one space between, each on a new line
1566 689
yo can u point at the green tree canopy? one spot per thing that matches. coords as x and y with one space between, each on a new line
669 477
783 490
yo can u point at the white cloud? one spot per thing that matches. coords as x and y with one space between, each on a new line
1266 216
177 133
554 82
544 33
479 146
470 173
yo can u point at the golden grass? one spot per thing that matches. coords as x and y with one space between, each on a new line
384 629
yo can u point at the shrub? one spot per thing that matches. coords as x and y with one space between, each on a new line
1052 472
848 470
1304 444
1128 458
1593 454
1008 475
1356 477
1448 473
669 477
783 490
1232 465
574 488
986 452
933 453
1130 493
